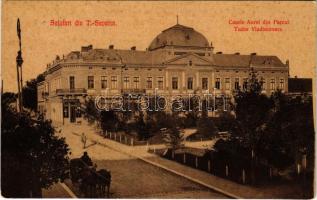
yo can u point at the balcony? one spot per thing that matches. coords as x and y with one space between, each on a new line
133 91
77 91
45 95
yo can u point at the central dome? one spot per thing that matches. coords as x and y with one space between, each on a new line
180 36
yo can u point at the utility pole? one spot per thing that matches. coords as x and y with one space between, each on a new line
19 62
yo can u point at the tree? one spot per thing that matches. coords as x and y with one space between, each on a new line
226 122
206 127
142 127
126 115
8 98
33 157
108 121
191 105
252 109
173 138
289 130
29 92
91 112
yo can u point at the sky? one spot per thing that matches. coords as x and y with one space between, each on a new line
138 23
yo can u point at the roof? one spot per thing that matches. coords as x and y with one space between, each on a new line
227 60
179 35
237 60
119 56
299 85
273 61
150 58
142 57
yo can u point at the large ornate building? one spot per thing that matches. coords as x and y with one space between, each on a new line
179 61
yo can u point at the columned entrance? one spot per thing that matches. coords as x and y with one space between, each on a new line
73 113
71 110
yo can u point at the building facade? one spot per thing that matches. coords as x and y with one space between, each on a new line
179 61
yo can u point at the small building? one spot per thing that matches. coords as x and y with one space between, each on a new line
300 86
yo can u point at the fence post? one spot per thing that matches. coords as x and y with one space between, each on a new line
243 176
184 158
110 134
131 141
154 149
115 136
106 133
173 154
209 166
196 161
227 170
304 162
147 146
120 137
298 168
125 139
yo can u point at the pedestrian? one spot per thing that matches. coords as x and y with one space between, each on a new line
84 139
86 159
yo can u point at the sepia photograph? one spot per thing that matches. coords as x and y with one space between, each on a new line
158 99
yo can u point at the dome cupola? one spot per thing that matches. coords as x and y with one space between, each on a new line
179 36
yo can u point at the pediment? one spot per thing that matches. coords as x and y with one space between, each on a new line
190 57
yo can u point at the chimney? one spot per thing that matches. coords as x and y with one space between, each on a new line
133 48
86 48
237 53
253 54
219 52
111 46
287 63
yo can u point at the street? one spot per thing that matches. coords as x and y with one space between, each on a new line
134 178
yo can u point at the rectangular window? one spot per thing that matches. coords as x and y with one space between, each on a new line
91 82
136 81
113 82
272 84
236 84
71 82
103 82
245 83
217 84
204 83
263 84
282 84
190 83
160 83
227 83
65 111
174 83
126 81
149 83
78 112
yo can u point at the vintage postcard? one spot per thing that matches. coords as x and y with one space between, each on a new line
158 99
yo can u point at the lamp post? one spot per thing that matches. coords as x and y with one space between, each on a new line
19 62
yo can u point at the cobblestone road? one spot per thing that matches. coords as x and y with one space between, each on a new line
133 178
